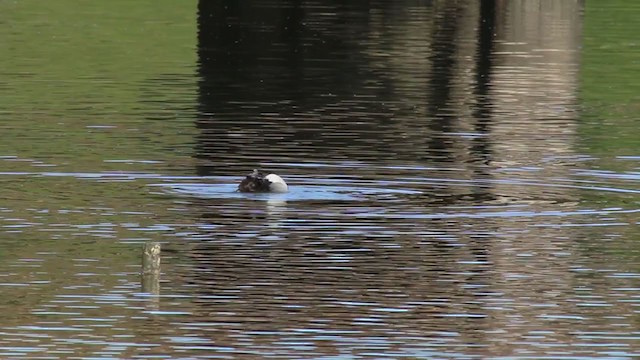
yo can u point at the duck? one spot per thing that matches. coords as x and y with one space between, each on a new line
257 181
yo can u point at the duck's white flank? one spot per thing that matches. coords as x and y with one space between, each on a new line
277 184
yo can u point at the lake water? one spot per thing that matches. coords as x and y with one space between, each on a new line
464 176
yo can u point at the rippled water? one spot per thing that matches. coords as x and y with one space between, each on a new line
464 176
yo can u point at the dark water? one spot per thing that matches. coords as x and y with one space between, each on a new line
464 180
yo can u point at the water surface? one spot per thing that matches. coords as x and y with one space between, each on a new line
464 179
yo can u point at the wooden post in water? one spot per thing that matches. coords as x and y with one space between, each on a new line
151 271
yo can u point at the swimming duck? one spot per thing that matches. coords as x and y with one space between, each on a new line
259 182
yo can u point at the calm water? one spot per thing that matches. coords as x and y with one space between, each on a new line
465 180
